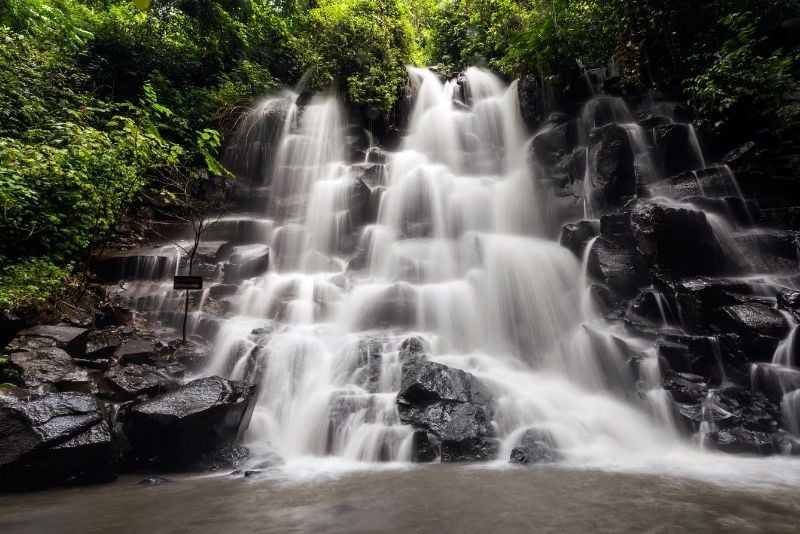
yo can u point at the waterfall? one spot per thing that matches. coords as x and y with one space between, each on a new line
452 255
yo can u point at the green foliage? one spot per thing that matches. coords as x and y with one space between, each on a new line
29 282
742 78
360 47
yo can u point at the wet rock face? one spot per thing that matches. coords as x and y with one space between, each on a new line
177 428
612 169
753 320
450 405
575 236
676 146
676 240
775 380
70 338
131 381
536 446
50 369
742 441
54 439
428 381
789 300
620 268
550 145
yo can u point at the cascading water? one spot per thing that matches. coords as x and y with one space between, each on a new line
337 260
452 257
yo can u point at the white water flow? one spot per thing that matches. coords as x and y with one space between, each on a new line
453 258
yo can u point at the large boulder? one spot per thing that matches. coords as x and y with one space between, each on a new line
449 404
619 267
50 369
700 355
678 147
754 328
677 240
698 299
102 344
70 338
743 441
54 439
179 427
611 164
753 319
136 350
535 447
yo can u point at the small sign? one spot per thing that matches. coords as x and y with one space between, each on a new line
187 282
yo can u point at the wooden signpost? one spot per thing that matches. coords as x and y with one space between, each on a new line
188 283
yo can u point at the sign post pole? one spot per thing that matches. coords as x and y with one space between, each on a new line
188 283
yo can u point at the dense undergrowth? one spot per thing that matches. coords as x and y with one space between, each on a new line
101 98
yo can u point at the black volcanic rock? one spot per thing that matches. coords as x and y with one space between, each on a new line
534 447
179 427
70 338
789 300
676 144
753 320
130 381
450 405
550 145
575 236
51 369
620 268
677 240
613 172
54 439
743 441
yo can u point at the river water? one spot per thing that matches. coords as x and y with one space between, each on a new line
434 498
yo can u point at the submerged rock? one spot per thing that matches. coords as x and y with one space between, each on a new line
154 481
742 441
535 447
177 428
54 439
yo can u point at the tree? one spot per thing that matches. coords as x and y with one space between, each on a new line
198 198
